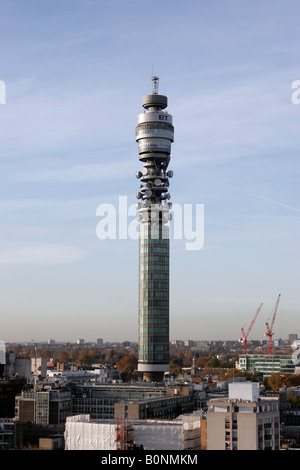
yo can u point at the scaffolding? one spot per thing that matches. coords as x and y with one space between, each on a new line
124 430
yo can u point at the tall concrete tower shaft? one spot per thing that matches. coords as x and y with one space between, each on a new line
154 134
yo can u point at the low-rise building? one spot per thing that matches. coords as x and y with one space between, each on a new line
11 434
142 400
168 407
83 433
23 367
244 421
44 405
54 442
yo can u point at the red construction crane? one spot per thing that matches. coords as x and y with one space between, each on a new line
269 332
245 335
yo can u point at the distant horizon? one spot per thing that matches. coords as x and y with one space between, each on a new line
135 342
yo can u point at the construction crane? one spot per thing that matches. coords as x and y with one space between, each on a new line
245 335
269 332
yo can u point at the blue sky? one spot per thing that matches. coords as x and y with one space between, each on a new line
75 72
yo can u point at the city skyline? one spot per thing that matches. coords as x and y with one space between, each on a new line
74 73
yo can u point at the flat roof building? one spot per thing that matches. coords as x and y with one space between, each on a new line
244 421
83 433
267 364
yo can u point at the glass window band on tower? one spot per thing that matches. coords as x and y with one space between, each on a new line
154 134
153 297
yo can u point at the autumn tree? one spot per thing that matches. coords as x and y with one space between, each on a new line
294 399
86 358
109 355
279 380
175 367
201 361
177 357
238 373
61 356
127 363
293 380
188 357
213 362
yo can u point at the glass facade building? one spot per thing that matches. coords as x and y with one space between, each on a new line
267 364
154 134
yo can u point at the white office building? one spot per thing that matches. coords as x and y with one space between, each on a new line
244 421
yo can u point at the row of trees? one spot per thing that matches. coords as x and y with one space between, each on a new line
128 364
126 359
74 354
279 380
84 355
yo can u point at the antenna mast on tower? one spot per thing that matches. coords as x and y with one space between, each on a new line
155 81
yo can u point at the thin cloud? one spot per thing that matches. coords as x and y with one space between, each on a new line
278 203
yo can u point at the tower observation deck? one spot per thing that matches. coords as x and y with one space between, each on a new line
154 135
